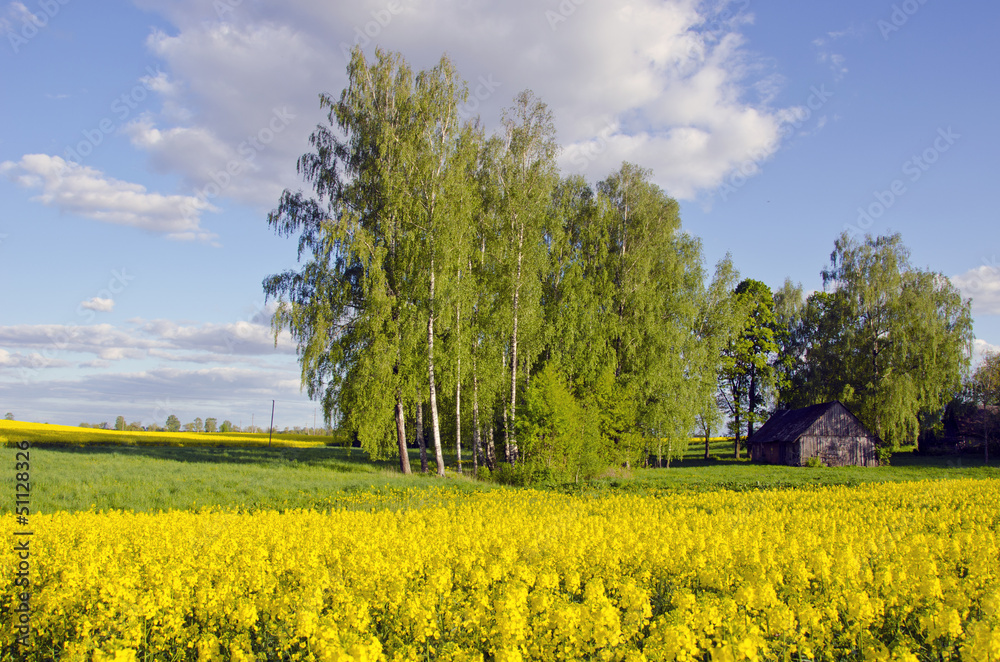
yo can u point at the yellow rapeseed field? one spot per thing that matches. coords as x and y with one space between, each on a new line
42 434
906 571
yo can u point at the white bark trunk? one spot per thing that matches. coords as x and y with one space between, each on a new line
476 445
458 388
435 425
404 457
511 439
420 437
491 450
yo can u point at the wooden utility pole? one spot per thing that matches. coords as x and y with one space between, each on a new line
270 430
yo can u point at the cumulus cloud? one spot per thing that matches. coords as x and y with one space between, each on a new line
668 85
85 191
151 395
241 341
32 361
98 304
980 348
982 284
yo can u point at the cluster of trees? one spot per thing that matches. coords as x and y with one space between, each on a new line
120 424
890 341
984 385
559 326
983 391
450 271
173 424
209 425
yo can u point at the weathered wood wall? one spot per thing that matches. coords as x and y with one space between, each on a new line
838 451
836 438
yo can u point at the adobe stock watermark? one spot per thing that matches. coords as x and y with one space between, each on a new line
224 7
33 23
983 277
122 107
561 14
738 178
912 170
248 150
162 410
714 25
370 30
723 18
590 151
481 92
900 16
60 339
242 332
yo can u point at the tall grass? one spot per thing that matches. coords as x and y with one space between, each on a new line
152 478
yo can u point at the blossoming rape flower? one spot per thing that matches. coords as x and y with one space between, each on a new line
525 575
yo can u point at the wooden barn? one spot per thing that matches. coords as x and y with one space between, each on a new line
828 431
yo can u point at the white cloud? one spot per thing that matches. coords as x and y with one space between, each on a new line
982 284
680 91
98 304
825 55
32 361
980 348
236 342
151 395
85 191
242 338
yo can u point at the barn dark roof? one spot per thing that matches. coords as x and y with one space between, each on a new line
790 424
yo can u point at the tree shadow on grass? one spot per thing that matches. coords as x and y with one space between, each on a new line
339 459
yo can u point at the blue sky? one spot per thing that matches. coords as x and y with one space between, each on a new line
132 260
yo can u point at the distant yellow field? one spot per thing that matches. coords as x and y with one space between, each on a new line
43 433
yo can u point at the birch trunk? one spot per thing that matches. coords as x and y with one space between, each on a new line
421 441
511 440
404 456
476 446
435 424
491 451
458 389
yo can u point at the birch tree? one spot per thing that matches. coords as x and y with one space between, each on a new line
525 174
440 210
652 285
349 308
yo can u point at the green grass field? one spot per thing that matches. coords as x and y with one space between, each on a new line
78 472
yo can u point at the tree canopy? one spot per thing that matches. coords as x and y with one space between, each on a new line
889 340
447 271
435 259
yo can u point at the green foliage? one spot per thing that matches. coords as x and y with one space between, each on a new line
211 425
985 381
887 340
814 463
616 407
747 374
227 426
559 437
173 424
436 261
